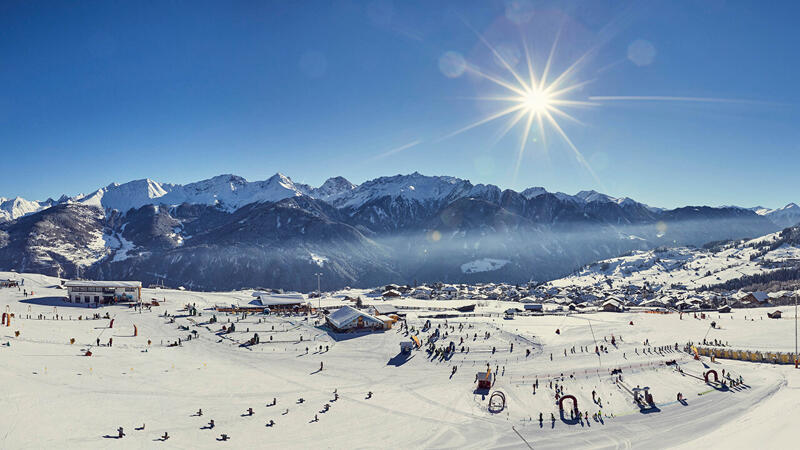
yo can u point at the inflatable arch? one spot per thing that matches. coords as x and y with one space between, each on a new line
574 403
497 402
710 372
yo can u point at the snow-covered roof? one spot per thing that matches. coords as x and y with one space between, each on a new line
86 283
347 314
384 308
276 301
654 301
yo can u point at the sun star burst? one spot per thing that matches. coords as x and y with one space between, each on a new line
534 101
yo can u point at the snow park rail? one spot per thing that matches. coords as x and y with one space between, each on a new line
747 355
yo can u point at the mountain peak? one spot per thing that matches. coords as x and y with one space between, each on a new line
533 192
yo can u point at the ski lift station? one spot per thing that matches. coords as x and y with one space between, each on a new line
103 292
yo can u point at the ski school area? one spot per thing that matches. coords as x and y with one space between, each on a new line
177 371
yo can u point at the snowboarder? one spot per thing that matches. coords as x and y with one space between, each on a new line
200 412
223 437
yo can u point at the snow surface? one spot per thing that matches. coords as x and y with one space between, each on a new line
230 192
690 268
12 208
318 260
54 397
483 265
787 216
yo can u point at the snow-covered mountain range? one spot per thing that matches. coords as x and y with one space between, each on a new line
231 192
227 232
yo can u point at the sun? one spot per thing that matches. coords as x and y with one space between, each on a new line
534 100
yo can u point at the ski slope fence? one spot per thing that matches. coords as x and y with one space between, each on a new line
747 355
586 373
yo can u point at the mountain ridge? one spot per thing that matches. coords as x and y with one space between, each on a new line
226 232
232 191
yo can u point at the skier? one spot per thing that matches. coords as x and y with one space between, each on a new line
165 436
200 412
211 424
120 433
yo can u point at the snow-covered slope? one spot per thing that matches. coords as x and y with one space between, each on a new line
12 208
690 268
787 216
151 387
122 197
332 189
414 187
230 192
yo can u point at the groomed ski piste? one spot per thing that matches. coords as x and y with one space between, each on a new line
54 396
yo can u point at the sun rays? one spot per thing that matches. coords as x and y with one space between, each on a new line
533 102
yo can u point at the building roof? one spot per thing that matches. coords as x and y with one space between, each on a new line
86 283
347 314
384 308
273 301
761 296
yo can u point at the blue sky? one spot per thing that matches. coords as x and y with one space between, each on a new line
96 92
